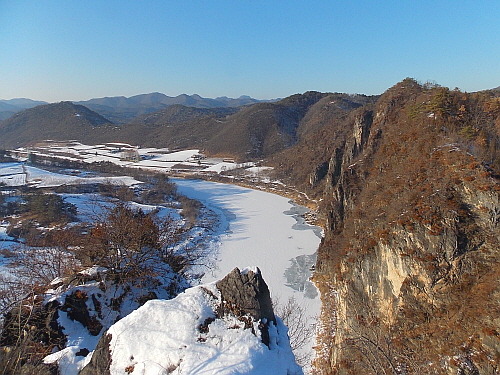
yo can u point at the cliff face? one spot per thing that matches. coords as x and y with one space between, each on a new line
409 265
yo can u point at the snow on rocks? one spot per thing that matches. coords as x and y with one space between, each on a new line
90 302
191 334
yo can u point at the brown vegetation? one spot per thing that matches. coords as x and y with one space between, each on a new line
421 188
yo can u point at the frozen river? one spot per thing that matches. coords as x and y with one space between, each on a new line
264 230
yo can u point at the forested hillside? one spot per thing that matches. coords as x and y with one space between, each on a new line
408 268
60 121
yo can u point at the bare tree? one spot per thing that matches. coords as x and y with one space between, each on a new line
132 243
300 327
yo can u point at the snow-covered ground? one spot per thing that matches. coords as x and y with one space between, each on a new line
259 229
153 159
174 343
18 174
92 207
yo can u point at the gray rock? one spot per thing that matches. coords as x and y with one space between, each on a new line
101 358
246 294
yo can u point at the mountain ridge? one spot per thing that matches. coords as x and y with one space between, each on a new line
121 109
253 131
8 107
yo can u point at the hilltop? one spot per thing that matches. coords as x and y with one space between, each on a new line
63 120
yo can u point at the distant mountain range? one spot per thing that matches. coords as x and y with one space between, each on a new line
11 106
251 131
120 109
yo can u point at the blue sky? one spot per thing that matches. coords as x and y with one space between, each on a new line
75 50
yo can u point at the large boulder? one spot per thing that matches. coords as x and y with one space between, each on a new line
246 293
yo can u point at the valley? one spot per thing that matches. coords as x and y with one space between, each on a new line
227 226
405 186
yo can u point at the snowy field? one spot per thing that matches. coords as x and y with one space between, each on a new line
125 155
18 174
259 229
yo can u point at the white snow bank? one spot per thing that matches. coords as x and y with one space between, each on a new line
93 271
177 155
163 337
106 303
226 166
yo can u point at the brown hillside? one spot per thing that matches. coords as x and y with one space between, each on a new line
59 121
252 132
324 127
263 129
412 240
176 126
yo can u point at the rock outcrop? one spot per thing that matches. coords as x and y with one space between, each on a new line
101 358
223 328
62 325
409 268
247 294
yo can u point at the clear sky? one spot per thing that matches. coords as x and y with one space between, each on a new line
79 49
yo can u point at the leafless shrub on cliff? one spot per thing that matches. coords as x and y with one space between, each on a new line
300 327
37 265
134 244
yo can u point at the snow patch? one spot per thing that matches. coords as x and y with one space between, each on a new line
165 335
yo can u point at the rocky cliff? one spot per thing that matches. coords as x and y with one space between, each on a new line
409 265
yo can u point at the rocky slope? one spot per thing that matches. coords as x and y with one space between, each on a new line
323 128
409 265
93 323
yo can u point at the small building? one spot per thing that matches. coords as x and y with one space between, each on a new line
130 154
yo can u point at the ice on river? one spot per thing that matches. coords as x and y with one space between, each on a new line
264 230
